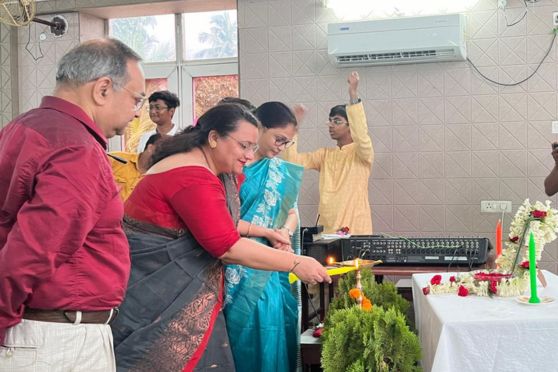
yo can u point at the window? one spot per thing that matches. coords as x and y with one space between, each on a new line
152 37
210 35
208 90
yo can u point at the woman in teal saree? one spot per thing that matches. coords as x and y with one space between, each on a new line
261 307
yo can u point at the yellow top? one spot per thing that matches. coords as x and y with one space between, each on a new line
127 175
344 174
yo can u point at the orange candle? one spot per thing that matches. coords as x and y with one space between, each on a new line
499 238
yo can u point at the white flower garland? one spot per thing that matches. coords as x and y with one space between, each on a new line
544 231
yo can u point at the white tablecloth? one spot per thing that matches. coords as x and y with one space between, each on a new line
477 334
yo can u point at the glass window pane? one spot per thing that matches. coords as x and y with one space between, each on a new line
210 35
151 37
208 90
143 123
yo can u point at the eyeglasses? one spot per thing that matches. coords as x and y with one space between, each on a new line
336 121
280 141
247 147
157 108
139 97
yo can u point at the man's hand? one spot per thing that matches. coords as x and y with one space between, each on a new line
353 84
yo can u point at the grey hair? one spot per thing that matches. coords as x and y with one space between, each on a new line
94 59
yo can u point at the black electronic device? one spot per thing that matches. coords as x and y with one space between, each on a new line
309 232
324 248
417 251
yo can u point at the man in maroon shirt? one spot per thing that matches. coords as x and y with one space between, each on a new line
64 258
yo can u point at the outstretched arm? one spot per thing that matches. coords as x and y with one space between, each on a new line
357 121
309 160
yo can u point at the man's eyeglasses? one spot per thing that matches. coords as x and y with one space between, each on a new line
157 108
283 141
336 121
140 98
247 147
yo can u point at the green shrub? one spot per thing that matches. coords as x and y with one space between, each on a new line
369 341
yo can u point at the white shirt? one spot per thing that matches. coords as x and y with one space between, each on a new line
145 137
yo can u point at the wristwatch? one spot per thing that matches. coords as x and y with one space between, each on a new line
289 231
355 101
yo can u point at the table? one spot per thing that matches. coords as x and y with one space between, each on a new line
472 333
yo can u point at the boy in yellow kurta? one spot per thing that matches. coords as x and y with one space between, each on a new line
345 169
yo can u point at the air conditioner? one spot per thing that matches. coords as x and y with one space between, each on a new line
399 40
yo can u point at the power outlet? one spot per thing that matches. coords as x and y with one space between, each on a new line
496 206
555 127
555 19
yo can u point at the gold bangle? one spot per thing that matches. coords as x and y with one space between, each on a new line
295 264
249 227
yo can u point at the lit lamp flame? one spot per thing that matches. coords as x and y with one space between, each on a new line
330 261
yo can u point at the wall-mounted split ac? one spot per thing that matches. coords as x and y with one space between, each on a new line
401 40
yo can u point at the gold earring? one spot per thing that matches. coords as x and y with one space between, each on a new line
212 144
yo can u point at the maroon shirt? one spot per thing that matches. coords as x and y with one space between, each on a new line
61 241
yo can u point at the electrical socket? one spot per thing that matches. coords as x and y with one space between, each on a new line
555 19
555 127
496 206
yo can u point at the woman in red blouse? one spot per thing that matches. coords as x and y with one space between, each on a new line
181 225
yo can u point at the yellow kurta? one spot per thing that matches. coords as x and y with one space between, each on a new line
127 175
344 174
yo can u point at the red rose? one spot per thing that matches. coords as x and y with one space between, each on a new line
318 332
452 279
538 214
492 287
426 290
524 264
514 239
462 291
436 279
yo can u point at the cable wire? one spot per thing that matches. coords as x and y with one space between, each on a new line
521 81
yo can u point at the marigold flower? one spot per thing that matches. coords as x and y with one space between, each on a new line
436 279
354 293
366 304
462 291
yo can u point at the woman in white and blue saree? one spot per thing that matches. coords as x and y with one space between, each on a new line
261 308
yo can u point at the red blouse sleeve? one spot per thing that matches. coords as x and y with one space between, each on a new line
203 208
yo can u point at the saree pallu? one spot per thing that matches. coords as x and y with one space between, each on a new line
261 308
171 318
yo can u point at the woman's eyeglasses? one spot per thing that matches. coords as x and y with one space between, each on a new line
247 147
283 141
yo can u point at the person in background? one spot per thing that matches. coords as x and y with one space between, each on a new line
162 106
64 258
128 174
181 225
551 181
344 169
261 309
